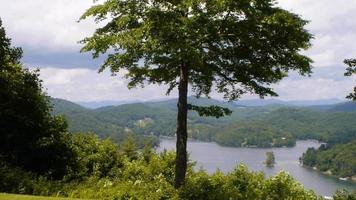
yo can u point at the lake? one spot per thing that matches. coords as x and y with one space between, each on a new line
212 156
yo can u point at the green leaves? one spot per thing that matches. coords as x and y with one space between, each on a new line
210 111
30 137
338 159
350 70
344 195
234 47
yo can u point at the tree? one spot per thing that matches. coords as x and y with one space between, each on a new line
351 69
234 47
270 160
129 147
30 137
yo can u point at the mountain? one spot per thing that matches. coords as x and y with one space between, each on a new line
62 105
260 102
338 160
266 102
159 117
81 119
250 102
344 107
316 102
102 122
99 104
339 107
275 120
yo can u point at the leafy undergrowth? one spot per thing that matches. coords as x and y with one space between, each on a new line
4 196
106 171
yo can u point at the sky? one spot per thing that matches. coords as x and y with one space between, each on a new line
48 32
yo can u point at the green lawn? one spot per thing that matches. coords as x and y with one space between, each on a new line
28 197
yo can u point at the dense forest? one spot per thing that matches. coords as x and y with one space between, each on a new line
262 126
338 160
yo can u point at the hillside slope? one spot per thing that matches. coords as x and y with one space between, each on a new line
281 124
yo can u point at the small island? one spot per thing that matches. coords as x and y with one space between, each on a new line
270 160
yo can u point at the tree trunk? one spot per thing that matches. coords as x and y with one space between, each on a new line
181 145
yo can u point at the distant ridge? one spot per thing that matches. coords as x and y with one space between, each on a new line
267 102
106 103
68 106
344 107
163 101
262 125
250 102
99 104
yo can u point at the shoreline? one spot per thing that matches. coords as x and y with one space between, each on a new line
349 179
247 147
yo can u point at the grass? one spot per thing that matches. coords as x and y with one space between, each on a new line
28 197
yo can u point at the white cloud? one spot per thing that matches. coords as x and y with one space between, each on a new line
46 25
88 85
314 88
52 25
333 25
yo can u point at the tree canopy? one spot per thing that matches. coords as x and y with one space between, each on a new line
350 70
232 47
30 137
237 46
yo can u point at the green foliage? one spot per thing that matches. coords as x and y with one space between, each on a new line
344 195
129 148
8 55
283 186
29 135
339 159
17 181
330 127
254 134
81 119
270 160
107 172
250 43
275 122
309 158
215 111
232 47
138 179
107 124
142 180
344 107
243 184
30 197
94 157
351 69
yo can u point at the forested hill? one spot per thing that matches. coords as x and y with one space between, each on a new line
262 126
338 160
339 107
344 107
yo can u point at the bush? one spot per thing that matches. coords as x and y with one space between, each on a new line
344 195
94 157
106 171
243 184
17 181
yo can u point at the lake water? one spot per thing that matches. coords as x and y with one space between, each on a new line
212 156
